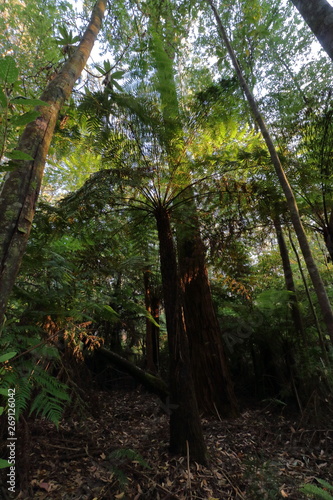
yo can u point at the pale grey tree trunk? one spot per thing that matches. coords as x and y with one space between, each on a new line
318 14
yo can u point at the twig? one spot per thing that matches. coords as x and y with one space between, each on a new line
156 484
233 486
188 469
217 413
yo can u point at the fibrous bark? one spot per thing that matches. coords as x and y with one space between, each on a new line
20 190
212 381
185 425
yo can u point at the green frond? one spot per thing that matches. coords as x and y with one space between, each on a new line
126 454
314 492
23 391
51 385
47 406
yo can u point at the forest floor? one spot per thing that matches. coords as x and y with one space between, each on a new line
263 454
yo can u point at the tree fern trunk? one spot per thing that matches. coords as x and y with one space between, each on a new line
212 380
185 425
20 190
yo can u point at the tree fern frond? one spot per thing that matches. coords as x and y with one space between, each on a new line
23 391
48 407
51 385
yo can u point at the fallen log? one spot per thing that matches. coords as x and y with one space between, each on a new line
152 383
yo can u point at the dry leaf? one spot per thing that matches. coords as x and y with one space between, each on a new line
45 486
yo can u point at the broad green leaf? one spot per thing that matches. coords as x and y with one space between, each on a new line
8 70
107 66
4 464
7 166
7 356
67 37
100 69
117 74
29 102
26 118
2 409
18 155
4 392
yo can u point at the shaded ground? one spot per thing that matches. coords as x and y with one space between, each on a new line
260 455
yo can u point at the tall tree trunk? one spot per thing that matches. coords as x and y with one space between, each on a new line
212 380
318 14
288 278
185 425
317 282
20 190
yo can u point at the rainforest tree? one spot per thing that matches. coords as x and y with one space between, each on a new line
20 189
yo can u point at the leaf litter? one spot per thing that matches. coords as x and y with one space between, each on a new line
118 449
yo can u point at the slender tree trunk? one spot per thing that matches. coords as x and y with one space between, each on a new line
318 14
312 308
20 190
152 304
185 425
317 282
328 235
212 380
288 277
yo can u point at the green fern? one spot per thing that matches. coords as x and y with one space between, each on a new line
123 455
51 385
23 396
316 492
48 406
120 458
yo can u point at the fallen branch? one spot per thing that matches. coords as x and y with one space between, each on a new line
152 383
